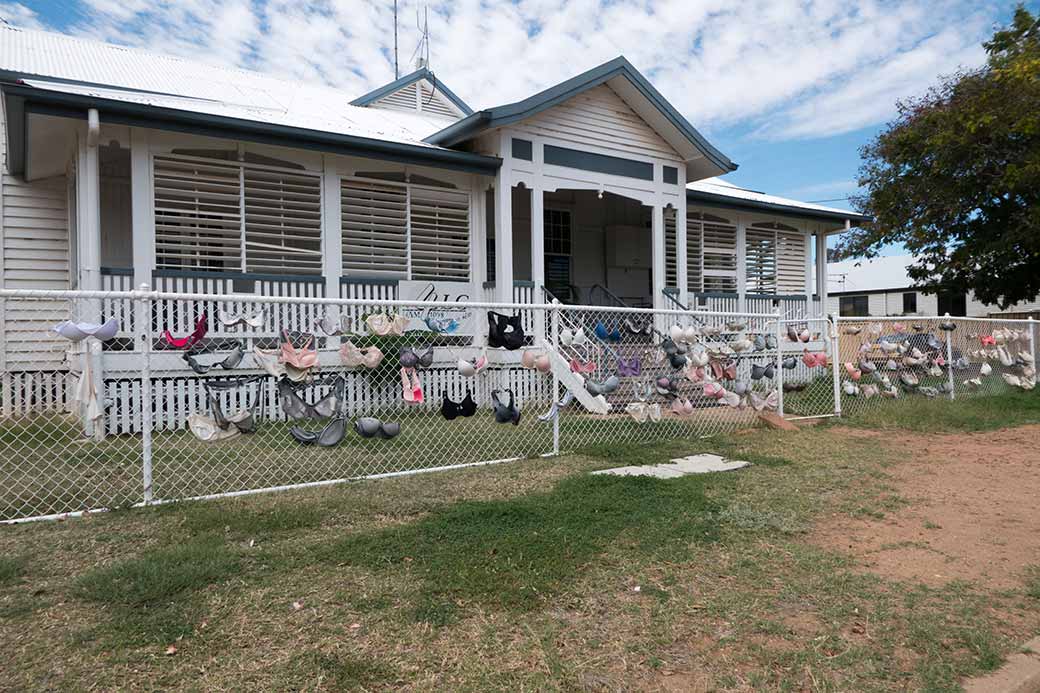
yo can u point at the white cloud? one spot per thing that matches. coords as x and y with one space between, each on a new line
19 15
781 68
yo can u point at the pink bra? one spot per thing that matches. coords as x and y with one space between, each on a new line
579 367
303 357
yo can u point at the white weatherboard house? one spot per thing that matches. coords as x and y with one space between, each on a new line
123 168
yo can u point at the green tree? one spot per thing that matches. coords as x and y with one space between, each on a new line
956 177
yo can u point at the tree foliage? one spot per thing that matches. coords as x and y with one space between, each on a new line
956 177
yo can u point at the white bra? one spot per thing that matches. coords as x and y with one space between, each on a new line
570 337
679 333
229 320
468 369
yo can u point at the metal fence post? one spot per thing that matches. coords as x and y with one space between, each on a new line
143 322
555 379
832 326
1032 340
779 363
949 361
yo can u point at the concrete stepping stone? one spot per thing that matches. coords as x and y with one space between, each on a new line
691 464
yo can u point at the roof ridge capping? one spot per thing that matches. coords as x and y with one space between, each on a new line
618 67
407 80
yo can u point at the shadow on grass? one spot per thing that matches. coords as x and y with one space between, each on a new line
512 553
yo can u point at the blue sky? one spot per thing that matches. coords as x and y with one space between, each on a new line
790 89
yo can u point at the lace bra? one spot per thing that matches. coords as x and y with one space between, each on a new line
351 355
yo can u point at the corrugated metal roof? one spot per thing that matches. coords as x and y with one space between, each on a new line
78 66
719 187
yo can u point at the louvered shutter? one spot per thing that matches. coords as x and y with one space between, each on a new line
694 254
719 244
375 229
761 261
198 222
790 262
440 233
283 222
670 269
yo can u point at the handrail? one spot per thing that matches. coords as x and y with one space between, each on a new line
609 294
679 304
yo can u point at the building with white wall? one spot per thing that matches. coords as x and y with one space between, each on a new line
882 287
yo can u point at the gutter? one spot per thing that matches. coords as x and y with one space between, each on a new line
19 97
715 200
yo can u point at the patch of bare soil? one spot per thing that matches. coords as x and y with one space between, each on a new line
971 510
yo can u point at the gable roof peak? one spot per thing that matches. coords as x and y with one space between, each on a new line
420 74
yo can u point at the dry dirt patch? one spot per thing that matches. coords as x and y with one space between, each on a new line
971 510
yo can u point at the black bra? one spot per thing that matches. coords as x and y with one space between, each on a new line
499 334
453 410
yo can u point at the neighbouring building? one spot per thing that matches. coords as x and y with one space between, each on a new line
881 287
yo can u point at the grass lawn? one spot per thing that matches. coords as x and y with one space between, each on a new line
526 576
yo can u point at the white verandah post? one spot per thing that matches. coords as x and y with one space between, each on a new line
821 271
741 241
142 213
538 255
477 247
504 235
657 238
681 259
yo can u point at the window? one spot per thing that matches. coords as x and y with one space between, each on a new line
236 216
909 303
853 306
557 229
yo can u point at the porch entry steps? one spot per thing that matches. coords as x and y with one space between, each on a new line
561 368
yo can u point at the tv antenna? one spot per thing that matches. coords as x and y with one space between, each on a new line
397 70
421 54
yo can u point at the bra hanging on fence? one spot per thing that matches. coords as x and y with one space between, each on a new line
505 331
296 408
452 410
78 331
353 356
192 339
229 362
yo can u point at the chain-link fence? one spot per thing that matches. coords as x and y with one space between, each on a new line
116 399
112 399
887 359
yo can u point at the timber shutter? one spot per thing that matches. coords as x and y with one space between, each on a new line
775 259
405 231
711 251
221 215
375 229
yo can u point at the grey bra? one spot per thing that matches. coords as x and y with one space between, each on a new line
296 408
505 413
227 363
